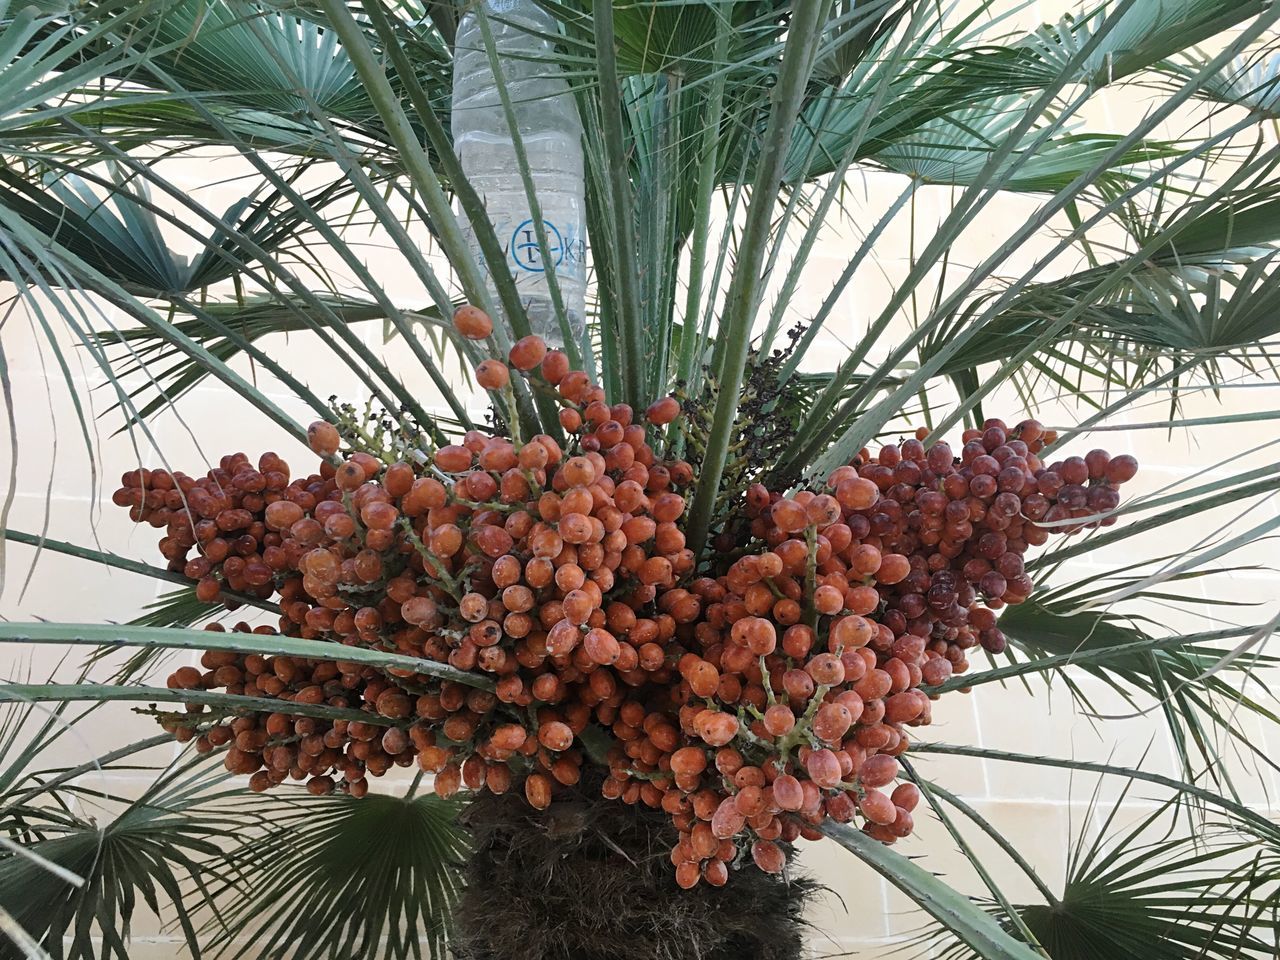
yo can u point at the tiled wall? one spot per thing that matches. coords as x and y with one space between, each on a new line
1038 808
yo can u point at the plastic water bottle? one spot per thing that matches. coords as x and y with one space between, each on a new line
551 133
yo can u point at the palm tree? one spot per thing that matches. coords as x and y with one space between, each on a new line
721 139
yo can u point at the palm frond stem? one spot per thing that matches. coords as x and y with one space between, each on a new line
740 300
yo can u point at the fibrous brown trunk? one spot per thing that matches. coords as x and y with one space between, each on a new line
591 879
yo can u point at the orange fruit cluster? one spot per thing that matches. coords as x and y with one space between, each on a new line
811 660
750 700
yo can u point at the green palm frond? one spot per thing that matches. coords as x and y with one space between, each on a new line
252 60
177 608
1146 34
73 884
1161 320
115 229
1252 82
255 56
954 148
1151 895
954 912
42 543
228 329
43 58
174 638
1202 295
1197 687
337 876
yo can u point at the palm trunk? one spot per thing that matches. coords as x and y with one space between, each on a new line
591 879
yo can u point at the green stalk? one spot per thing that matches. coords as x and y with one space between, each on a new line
709 150
123 563
231 703
358 349
257 355
490 248
726 247
668 95
173 638
1255 820
1082 658
412 154
804 35
1098 293
617 173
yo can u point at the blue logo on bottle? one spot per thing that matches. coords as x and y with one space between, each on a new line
526 252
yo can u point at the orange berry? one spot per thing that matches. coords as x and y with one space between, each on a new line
555 735
555 366
662 412
906 796
894 567
768 856
779 720
453 458
350 475
537 790
472 322
823 768
878 771
688 874
787 793
878 808
857 493
850 633
716 873
493 374
527 352
828 600
570 419
323 438
789 516
703 678
688 761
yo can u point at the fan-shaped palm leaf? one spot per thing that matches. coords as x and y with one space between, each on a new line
335 876
1252 82
118 233
74 885
1171 897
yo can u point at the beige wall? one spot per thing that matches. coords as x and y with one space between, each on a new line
1038 809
